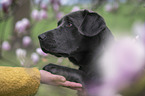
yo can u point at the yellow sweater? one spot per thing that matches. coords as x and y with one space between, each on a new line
17 81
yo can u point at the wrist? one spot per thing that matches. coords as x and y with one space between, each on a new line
42 77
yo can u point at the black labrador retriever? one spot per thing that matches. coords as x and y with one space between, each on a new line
81 36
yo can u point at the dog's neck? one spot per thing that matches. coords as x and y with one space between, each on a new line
85 58
95 48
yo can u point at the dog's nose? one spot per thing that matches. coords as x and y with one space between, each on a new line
42 37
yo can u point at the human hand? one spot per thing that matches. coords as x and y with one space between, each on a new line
51 79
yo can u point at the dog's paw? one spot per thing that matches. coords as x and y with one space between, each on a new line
52 68
70 74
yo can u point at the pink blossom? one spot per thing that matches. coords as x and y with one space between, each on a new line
44 6
21 55
5 5
19 27
111 7
56 7
123 54
43 14
75 8
108 7
26 22
6 46
121 64
40 52
39 15
21 52
35 58
35 15
26 41
22 25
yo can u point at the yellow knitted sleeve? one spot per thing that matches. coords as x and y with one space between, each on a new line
17 81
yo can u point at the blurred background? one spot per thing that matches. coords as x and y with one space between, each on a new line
21 21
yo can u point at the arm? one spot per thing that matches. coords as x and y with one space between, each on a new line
16 81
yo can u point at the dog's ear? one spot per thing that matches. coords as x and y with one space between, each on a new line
92 24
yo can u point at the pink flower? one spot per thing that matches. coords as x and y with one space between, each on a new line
21 52
21 55
123 54
40 52
26 41
111 7
35 15
6 46
43 14
120 65
5 5
26 22
35 58
39 15
19 27
108 7
75 8
44 6
56 7
22 25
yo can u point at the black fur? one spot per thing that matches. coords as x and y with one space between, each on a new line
73 75
81 36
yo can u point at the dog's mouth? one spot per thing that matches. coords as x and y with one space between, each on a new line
57 54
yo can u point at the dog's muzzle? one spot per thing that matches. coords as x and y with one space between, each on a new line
46 42
42 37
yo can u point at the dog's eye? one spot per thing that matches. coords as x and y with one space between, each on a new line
68 25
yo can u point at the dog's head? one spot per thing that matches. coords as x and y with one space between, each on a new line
73 33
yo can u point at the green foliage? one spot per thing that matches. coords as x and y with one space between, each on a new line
121 21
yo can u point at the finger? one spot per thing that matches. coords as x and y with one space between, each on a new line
72 84
55 77
58 78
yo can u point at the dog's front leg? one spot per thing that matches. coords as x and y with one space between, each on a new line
70 74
